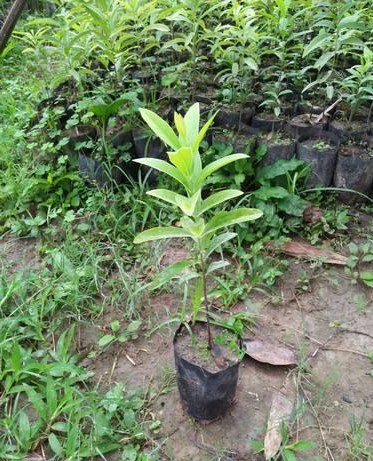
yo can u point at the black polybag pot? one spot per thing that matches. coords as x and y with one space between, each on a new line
355 172
234 118
306 125
205 396
95 172
92 170
322 161
264 122
345 130
277 151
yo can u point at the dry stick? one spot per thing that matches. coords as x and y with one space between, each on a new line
347 330
129 359
325 112
363 354
320 427
113 368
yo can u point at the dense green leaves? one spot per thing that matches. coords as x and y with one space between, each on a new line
159 233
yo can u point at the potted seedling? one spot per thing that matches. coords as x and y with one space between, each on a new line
279 142
206 363
102 170
357 91
320 152
270 116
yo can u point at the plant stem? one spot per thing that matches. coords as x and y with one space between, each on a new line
205 301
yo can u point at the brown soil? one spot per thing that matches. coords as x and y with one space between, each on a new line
305 120
277 138
317 144
330 325
18 254
352 149
354 126
195 349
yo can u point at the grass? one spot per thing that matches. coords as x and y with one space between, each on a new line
50 405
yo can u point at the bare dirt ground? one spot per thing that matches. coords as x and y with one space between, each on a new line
331 331
327 327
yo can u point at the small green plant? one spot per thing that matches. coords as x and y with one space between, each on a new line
117 334
359 255
358 447
288 451
195 222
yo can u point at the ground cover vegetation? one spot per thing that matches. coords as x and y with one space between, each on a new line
74 79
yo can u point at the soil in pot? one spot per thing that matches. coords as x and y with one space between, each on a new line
280 146
321 154
207 380
354 168
267 121
306 125
245 141
234 116
345 129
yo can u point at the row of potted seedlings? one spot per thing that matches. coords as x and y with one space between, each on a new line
340 153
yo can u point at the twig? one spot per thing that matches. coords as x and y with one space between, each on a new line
326 111
328 452
113 368
129 359
347 330
363 354
321 346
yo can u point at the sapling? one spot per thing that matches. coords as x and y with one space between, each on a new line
185 167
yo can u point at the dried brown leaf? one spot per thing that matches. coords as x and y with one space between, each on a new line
281 409
307 251
269 352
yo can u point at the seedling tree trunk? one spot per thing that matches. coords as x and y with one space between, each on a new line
205 300
10 22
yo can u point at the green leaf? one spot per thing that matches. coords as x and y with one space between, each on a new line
229 218
264 193
302 445
158 233
133 326
323 59
188 204
288 455
106 340
217 198
55 445
170 272
164 167
161 128
191 120
216 165
196 228
367 278
292 205
216 265
218 241
182 159
24 427
258 445
202 133
318 42
251 64
164 194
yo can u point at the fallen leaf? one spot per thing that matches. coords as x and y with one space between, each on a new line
307 251
312 215
280 412
269 352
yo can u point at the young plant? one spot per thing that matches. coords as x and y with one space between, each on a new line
185 166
